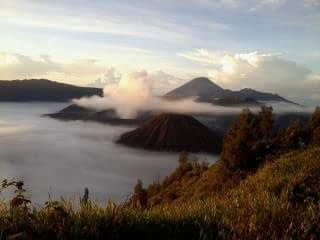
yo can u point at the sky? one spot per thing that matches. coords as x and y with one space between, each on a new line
268 45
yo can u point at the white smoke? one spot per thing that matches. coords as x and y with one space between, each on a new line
133 94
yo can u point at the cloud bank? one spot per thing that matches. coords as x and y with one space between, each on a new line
14 66
62 158
17 66
77 71
261 71
160 81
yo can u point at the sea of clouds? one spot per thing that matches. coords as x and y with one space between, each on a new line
57 158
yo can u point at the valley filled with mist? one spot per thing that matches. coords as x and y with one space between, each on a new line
59 159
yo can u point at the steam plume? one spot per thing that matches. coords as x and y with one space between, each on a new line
133 94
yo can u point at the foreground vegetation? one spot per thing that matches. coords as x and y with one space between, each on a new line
271 192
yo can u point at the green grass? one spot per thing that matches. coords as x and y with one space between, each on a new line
279 201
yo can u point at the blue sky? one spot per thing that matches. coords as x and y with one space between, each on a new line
271 45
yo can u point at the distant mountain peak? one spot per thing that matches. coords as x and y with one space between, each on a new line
247 90
202 79
205 90
197 87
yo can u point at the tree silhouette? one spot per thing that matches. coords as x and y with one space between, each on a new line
293 137
85 198
314 127
237 149
265 119
248 141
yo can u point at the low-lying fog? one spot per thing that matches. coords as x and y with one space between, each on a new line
62 158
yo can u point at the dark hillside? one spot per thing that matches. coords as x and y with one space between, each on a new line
109 116
43 90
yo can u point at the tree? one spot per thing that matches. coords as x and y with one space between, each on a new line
316 136
184 164
293 137
263 145
265 119
314 126
315 120
237 148
248 141
85 199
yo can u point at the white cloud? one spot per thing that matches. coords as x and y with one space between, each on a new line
160 81
249 4
163 82
202 55
42 14
125 18
17 66
312 2
133 93
13 66
267 72
78 71
111 76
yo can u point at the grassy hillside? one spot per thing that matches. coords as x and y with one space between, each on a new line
281 200
249 144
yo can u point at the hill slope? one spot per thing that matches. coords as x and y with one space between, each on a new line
280 201
42 90
173 132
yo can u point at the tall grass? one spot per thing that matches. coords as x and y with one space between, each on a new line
279 201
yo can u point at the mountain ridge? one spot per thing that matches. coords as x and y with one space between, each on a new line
204 90
29 90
